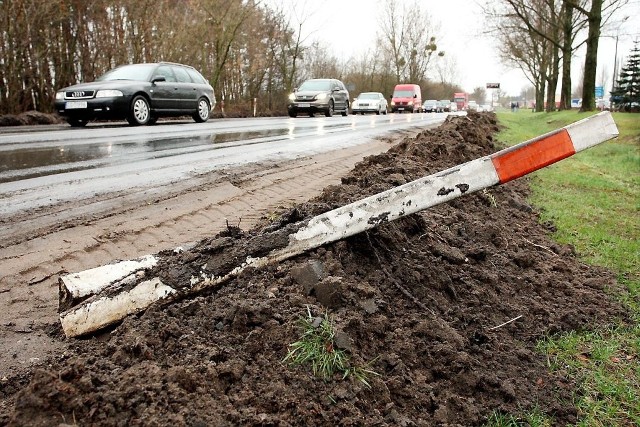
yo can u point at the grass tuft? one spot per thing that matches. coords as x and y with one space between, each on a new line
534 418
317 348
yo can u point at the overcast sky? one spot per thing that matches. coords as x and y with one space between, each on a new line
349 28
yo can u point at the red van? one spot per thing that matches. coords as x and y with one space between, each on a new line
406 97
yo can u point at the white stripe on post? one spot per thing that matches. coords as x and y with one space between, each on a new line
94 314
395 203
592 131
90 282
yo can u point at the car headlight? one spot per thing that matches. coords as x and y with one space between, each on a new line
410 103
108 93
60 95
393 103
292 97
321 96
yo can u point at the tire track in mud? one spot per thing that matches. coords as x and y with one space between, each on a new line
30 269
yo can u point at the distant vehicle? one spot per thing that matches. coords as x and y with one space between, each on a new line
472 106
603 104
486 107
453 107
406 97
319 96
445 105
430 106
139 93
369 102
462 100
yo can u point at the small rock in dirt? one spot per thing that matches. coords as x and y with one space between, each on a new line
328 292
449 253
369 305
308 275
317 321
343 341
396 179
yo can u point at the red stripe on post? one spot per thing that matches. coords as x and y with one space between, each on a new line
532 155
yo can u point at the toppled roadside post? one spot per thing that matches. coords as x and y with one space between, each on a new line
103 303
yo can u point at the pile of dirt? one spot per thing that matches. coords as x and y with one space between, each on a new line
420 301
30 118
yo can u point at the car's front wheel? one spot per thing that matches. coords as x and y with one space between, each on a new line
140 112
76 122
293 114
202 115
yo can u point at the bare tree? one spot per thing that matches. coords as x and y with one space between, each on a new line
598 13
551 21
405 39
447 69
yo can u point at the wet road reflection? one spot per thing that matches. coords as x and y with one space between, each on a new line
33 162
42 153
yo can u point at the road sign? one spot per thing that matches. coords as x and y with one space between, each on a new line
493 85
599 91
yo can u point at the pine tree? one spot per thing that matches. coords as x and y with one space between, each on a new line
626 94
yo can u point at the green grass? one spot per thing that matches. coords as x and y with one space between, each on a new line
533 418
316 347
593 199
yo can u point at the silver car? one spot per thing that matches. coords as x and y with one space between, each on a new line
430 106
324 96
369 102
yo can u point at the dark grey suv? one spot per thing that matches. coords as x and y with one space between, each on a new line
319 96
139 93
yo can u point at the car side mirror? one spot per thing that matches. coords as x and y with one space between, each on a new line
158 79
336 88
415 95
295 89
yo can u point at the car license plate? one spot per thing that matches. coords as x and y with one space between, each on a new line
71 105
304 105
401 109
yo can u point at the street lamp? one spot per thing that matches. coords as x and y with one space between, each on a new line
615 58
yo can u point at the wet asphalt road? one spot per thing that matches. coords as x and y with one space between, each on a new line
46 165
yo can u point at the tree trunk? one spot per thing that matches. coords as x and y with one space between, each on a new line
591 58
540 86
552 80
567 39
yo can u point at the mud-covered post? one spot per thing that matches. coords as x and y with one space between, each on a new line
133 293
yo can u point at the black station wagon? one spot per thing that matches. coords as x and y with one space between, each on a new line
139 93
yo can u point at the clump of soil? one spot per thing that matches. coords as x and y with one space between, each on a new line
30 118
421 299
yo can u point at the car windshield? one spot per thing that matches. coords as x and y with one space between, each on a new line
402 94
129 72
368 96
311 85
430 101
